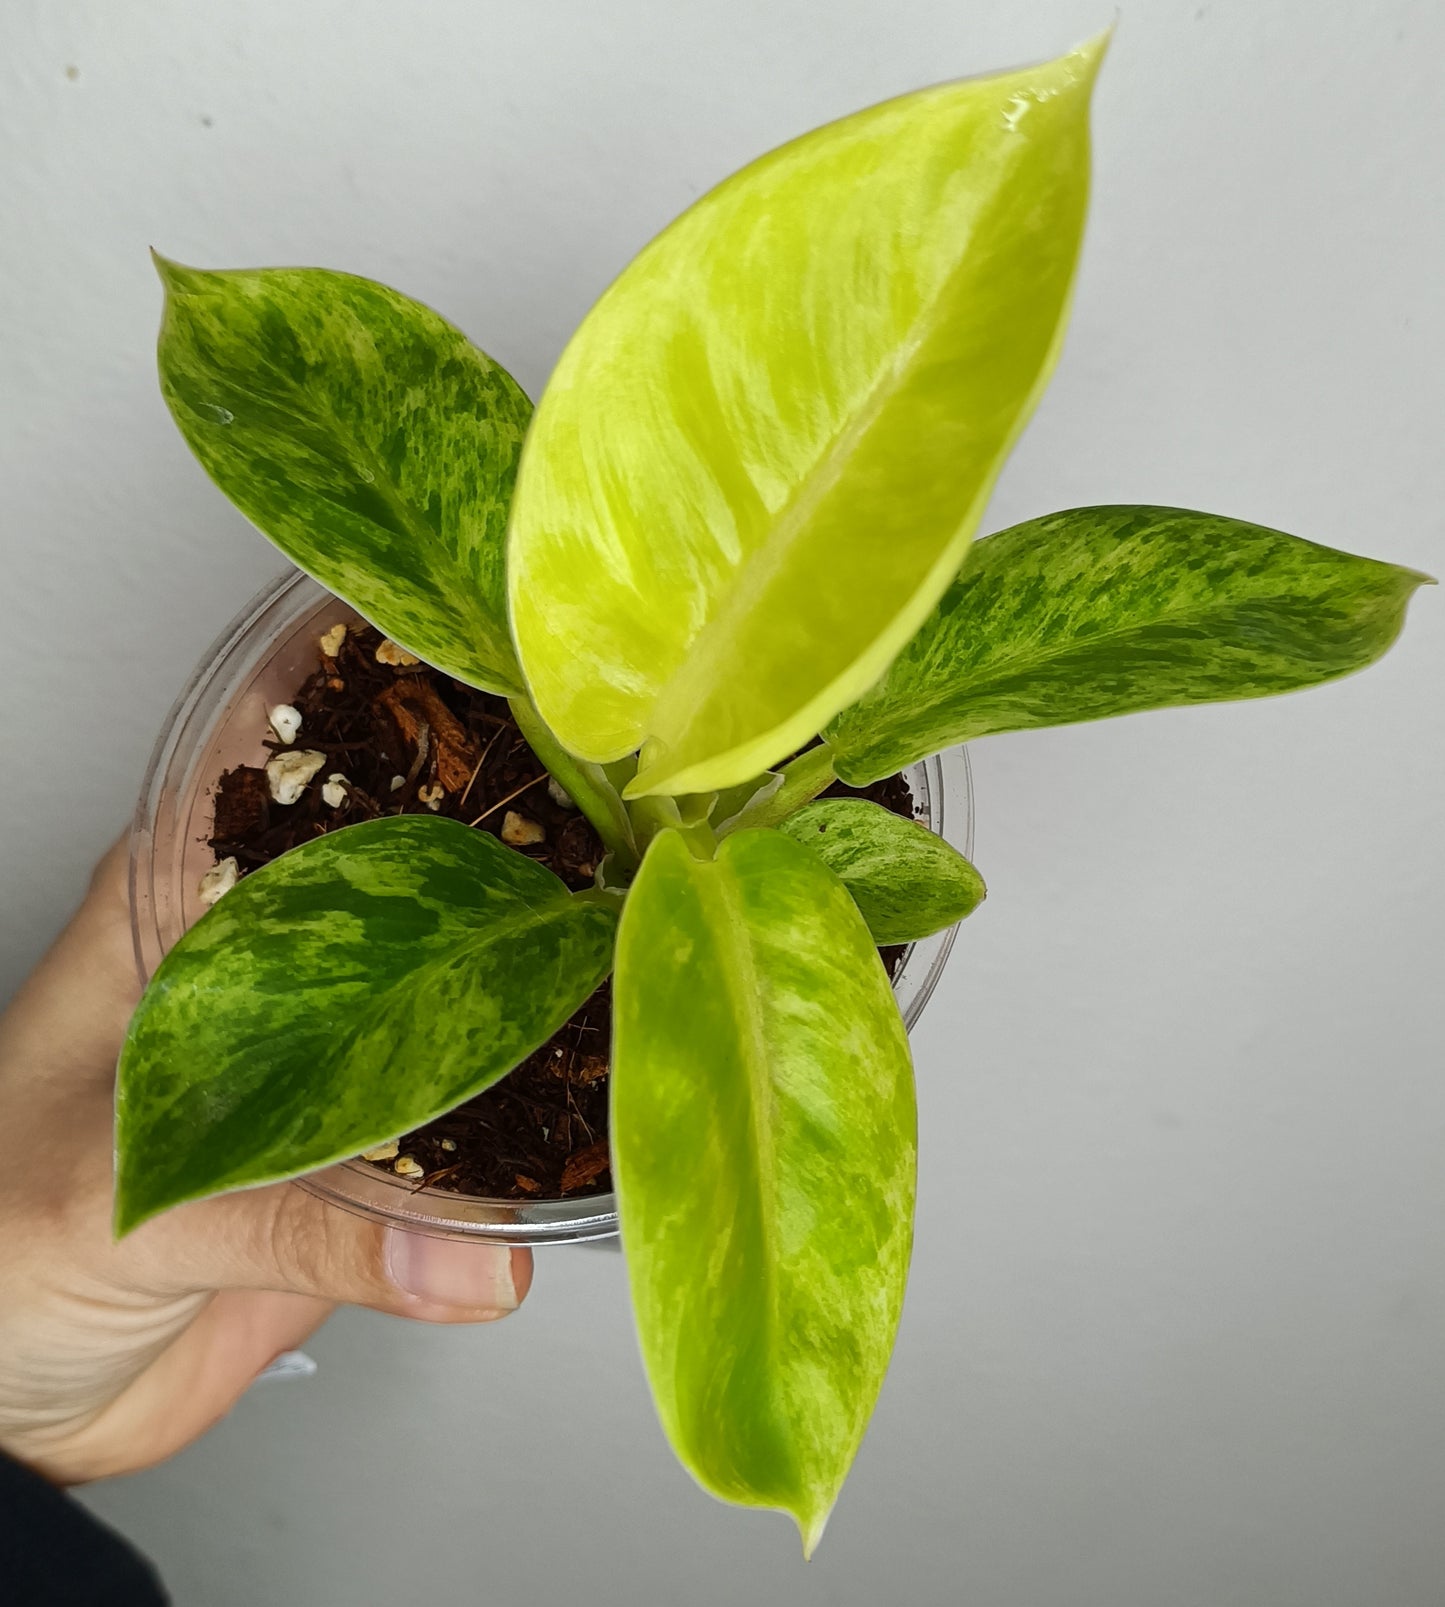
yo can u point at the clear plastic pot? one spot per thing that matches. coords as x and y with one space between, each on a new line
219 721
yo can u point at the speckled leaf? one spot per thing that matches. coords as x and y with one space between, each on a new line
348 991
763 1143
905 879
762 455
366 437
1103 611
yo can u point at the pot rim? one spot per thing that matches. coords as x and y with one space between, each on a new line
175 785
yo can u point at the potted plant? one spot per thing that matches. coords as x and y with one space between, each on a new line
725 564
517 1163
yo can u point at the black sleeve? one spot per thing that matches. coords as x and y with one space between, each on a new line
53 1552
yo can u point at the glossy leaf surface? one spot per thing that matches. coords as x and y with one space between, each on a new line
348 991
1104 611
762 456
905 879
368 438
763 1143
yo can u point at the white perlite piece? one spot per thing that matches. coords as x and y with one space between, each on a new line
287 774
334 789
383 1152
397 657
330 642
285 722
218 881
449 1145
559 794
408 1166
521 832
397 783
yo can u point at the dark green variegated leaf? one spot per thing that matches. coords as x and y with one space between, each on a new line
367 437
763 1142
906 880
1103 611
348 991
765 450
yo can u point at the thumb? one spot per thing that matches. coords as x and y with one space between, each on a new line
283 1238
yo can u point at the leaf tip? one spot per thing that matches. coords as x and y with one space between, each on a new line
810 1528
1090 54
1073 75
177 277
128 1214
137 1197
165 268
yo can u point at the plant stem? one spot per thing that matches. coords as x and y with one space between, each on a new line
587 784
803 779
657 813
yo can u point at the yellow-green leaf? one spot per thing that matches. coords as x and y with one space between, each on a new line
762 456
905 879
763 1145
1104 611
368 438
348 991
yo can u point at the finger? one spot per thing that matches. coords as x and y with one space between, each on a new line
285 1239
187 1389
72 1011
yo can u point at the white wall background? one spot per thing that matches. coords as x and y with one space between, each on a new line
1176 1336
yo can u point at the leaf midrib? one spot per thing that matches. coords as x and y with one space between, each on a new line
741 981
827 470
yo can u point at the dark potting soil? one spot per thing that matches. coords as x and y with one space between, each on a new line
410 740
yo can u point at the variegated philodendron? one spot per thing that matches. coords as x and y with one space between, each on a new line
739 520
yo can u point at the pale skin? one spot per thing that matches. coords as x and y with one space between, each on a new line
113 1356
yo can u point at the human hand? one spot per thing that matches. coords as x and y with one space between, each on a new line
112 1356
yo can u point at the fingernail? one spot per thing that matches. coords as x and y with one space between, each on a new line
289 1364
448 1272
